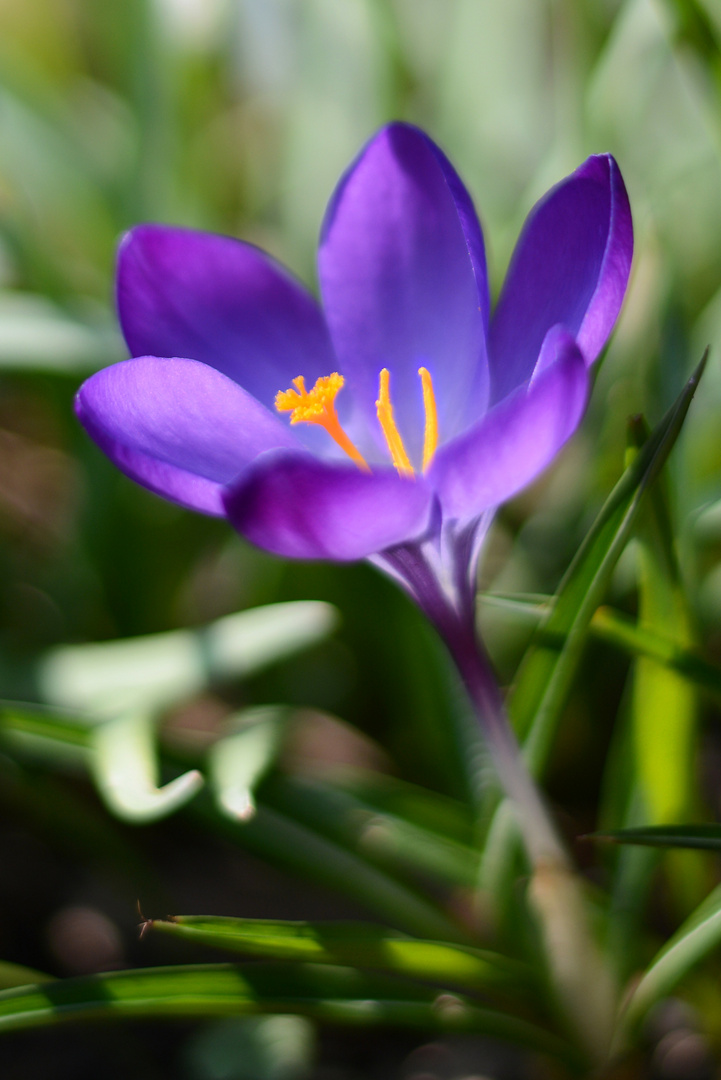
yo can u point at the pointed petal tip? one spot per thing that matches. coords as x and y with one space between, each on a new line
217 299
518 438
571 266
403 276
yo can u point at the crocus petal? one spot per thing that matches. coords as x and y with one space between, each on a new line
177 426
220 301
298 507
403 278
570 266
516 439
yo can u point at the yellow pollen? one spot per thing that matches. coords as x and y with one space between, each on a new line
317 406
430 435
387 422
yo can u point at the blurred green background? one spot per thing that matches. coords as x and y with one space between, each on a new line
238 116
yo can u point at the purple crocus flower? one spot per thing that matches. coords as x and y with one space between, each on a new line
390 423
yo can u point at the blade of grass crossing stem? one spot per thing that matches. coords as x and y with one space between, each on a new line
624 633
699 935
546 673
357 944
335 995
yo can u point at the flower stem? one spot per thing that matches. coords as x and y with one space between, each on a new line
582 980
542 842
583 984
452 612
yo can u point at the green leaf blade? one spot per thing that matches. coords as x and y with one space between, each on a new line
335 995
362 945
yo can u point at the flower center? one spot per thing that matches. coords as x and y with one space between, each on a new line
317 406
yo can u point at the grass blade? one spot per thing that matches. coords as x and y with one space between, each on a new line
335 995
356 944
692 941
546 673
699 837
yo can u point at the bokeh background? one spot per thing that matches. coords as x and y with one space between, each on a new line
238 116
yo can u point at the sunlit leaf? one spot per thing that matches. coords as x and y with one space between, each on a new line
270 834
36 334
355 944
237 762
699 935
159 669
125 767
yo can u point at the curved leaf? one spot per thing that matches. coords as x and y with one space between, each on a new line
704 837
692 941
336 995
238 762
357 944
125 768
157 670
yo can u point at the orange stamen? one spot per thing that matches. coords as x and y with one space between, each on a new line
317 406
430 435
387 422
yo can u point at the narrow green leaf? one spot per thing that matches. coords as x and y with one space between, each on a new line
16 975
335 995
692 941
271 835
300 849
389 841
45 731
363 945
546 673
36 334
703 837
159 669
125 768
237 762
663 705
621 631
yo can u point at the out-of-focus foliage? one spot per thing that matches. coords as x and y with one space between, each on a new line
239 116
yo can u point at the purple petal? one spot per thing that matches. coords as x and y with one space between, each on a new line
223 302
177 426
302 508
570 266
403 278
516 439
